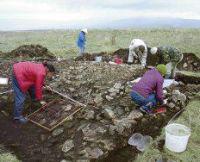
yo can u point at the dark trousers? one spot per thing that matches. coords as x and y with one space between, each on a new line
20 97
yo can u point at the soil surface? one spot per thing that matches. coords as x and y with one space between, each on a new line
31 143
24 141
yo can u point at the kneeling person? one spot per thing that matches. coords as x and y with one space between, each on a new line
149 90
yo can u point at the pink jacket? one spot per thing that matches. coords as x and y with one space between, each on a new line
30 74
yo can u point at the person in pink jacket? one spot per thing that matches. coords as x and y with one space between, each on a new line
28 77
149 90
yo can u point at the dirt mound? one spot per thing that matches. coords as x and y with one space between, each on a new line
190 62
31 51
91 57
122 53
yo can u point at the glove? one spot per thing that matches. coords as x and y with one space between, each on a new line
165 101
43 103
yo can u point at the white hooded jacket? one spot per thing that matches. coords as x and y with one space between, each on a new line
135 43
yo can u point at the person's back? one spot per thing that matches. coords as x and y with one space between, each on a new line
81 39
169 54
149 90
149 83
137 49
28 74
137 42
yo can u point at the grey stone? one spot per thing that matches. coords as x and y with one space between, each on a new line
57 132
178 96
98 99
123 124
94 153
113 94
71 89
109 98
82 160
65 160
135 114
171 105
112 129
89 115
112 90
67 107
117 85
182 98
107 144
185 65
108 112
119 111
91 132
68 145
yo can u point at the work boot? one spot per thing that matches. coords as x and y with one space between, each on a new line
21 119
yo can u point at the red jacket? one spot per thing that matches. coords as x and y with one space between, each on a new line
30 74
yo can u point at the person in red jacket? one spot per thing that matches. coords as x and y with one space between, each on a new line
29 77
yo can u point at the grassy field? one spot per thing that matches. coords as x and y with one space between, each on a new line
190 117
63 42
6 156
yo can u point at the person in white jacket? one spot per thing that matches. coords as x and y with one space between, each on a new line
138 49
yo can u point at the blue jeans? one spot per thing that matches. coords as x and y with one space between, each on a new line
141 101
20 97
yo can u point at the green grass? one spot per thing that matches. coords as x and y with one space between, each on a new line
190 73
190 117
7 156
62 42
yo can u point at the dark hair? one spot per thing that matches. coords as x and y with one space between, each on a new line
49 66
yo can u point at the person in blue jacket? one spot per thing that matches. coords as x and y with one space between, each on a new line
81 41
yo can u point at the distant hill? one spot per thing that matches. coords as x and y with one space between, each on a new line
151 22
100 24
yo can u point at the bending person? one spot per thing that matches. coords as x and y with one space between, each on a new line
28 77
138 49
170 56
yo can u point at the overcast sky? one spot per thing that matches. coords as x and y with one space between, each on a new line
33 14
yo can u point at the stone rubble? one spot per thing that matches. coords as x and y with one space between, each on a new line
110 116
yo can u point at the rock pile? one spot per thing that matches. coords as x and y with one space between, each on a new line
110 116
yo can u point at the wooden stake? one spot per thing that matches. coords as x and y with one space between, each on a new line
65 96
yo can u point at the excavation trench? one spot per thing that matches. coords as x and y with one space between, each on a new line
98 132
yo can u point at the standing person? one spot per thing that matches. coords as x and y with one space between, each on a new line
29 77
170 56
149 90
81 41
138 49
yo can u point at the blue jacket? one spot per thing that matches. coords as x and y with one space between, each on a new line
81 40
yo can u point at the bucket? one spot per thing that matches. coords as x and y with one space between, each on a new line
3 81
98 58
176 137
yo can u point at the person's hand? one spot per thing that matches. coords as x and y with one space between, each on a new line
43 102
